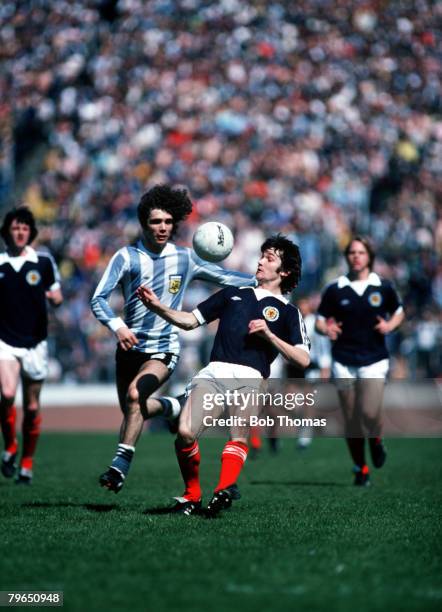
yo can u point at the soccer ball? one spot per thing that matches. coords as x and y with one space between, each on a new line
213 241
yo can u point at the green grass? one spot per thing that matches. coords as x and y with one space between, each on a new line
302 537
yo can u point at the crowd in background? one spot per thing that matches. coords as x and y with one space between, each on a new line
315 118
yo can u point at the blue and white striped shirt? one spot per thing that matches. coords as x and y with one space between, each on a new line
168 273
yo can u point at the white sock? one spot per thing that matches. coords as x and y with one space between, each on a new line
25 472
171 407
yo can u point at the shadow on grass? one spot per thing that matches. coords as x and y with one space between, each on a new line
91 507
158 510
101 507
298 483
201 513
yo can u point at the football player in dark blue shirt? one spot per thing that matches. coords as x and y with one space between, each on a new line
28 279
356 312
255 325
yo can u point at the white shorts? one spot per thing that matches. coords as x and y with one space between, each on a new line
33 361
219 388
231 371
345 376
225 376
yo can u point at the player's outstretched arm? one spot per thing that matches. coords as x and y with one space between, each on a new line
213 273
180 318
294 354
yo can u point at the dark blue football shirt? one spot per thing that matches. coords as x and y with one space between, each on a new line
359 344
24 281
235 308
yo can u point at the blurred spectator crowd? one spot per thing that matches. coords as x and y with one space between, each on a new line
316 118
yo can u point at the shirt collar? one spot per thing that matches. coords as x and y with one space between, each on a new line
29 255
262 293
166 251
373 279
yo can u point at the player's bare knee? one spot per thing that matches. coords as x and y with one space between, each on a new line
32 408
132 400
373 425
185 435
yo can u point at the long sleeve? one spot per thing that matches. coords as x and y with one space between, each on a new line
109 281
203 270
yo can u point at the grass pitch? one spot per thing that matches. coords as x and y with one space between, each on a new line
301 537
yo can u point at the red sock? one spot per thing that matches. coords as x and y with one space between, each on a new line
356 446
189 461
31 433
232 460
7 421
255 438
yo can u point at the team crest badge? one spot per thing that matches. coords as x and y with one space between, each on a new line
175 281
33 277
270 313
375 299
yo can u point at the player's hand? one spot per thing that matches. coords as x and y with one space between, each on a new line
260 328
54 297
382 326
148 297
126 338
334 328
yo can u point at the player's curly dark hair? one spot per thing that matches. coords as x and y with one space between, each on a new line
174 201
290 259
368 246
22 214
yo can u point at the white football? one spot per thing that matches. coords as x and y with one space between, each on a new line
213 241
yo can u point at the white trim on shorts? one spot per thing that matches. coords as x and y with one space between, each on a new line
33 361
170 360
